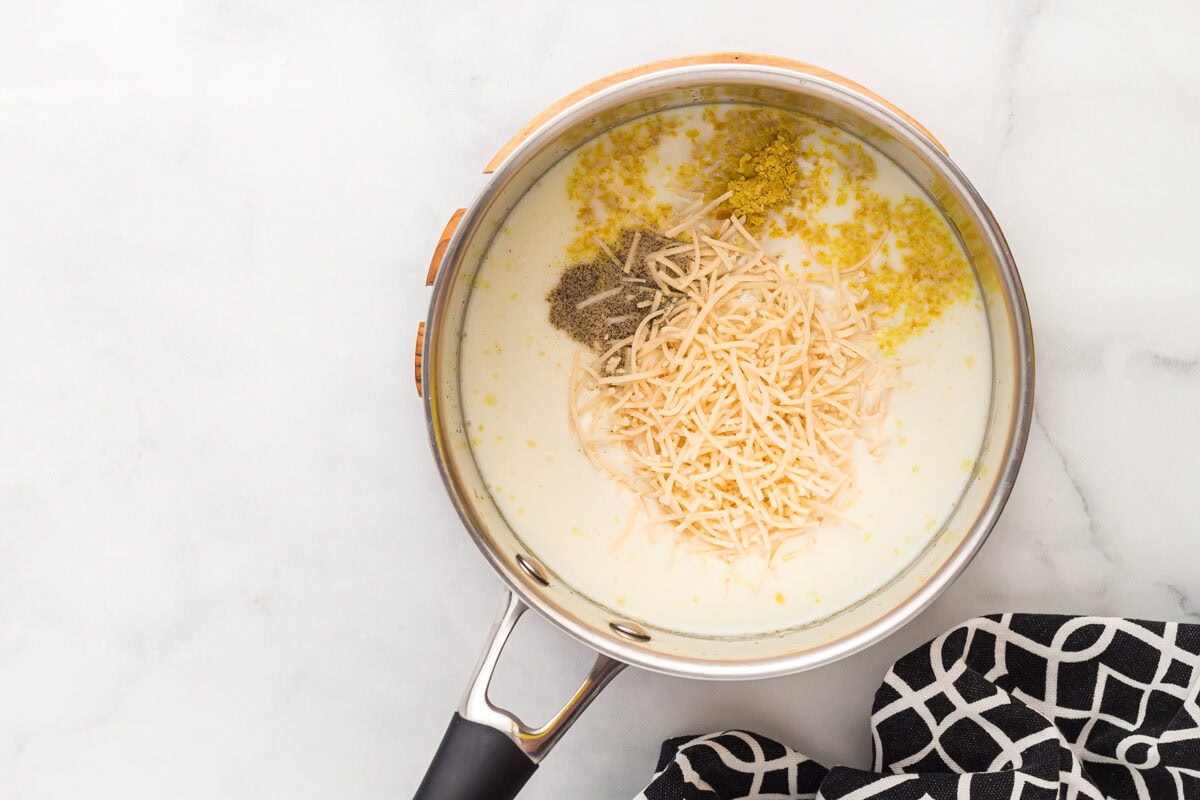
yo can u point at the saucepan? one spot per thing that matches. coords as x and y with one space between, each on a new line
488 752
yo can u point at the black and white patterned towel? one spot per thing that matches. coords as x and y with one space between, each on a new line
1005 707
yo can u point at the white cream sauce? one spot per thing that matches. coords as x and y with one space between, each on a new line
515 369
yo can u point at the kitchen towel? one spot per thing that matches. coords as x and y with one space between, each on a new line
1004 707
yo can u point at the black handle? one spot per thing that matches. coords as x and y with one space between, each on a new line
475 762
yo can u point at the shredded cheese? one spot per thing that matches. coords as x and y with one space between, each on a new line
596 298
734 412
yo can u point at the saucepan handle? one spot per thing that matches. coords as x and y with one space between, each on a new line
475 762
487 753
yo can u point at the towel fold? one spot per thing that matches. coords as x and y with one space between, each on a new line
1004 707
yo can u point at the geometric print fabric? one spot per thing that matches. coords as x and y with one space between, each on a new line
1004 707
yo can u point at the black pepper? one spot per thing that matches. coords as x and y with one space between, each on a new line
597 303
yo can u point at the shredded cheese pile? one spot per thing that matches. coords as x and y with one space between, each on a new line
734 411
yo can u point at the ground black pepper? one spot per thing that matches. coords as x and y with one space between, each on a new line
614 317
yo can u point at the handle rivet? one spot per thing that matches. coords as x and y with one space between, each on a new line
533 569
630 630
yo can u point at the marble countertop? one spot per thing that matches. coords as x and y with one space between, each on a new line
227 565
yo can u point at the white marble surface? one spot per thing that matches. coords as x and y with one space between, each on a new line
227 566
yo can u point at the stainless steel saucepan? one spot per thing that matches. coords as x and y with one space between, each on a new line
488 752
